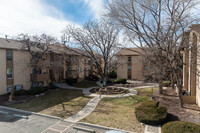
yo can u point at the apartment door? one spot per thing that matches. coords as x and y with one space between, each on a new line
129 71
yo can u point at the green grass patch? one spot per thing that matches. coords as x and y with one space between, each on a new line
61 103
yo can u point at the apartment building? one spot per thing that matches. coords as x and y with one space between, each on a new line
55 66
191 69
130 64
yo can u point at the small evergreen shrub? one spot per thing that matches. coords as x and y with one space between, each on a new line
180 127
113 74
149 112
71 81
32 91
36 90
20 92
120 81
166 83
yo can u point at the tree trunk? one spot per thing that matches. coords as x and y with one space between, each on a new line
172 82
180 96
160 85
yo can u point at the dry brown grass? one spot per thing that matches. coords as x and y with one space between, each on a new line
53 102
117 113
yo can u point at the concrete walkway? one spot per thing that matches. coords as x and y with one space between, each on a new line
91 105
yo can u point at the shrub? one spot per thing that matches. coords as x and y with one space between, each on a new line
166 83
109 81
120 81
180 127
36 90
92 77
71 81
149 112
20 92
113 74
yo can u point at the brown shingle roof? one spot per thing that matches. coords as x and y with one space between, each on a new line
195 27
10 44
130 51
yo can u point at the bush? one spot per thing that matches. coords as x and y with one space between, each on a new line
166 83
180 127
20 92
71 81
149 112
36 90
120 81
92 77
113 74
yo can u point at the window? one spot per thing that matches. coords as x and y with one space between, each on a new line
9 73
129 58
9 55
129 68
39 71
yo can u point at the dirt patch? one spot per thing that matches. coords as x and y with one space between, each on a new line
109 91
190 112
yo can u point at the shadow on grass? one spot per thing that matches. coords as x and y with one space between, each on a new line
51 99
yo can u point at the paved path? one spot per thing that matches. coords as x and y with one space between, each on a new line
91 105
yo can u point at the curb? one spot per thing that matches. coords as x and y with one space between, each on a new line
147 131
103 127
29 112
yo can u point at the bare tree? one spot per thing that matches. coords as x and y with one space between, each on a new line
98 41
156 26
38 47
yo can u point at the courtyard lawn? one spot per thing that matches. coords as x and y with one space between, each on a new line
85 84
61 103
119 112
147 91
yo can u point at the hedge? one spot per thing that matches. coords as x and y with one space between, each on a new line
149 112
32 91
166 83
71 81
120 81
180 127
113 74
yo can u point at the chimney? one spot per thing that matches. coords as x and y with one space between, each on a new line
6 37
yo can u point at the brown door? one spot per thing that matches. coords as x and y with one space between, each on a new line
129 72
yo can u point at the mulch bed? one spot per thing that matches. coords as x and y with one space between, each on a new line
132 85
17 99
189 112
109 91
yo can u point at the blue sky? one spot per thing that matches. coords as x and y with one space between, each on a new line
74 10
45 16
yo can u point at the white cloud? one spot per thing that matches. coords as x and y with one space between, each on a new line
30 16
96 7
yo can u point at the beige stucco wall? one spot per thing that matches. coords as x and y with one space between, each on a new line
122 67
198 70
137 67
3 86
21 60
